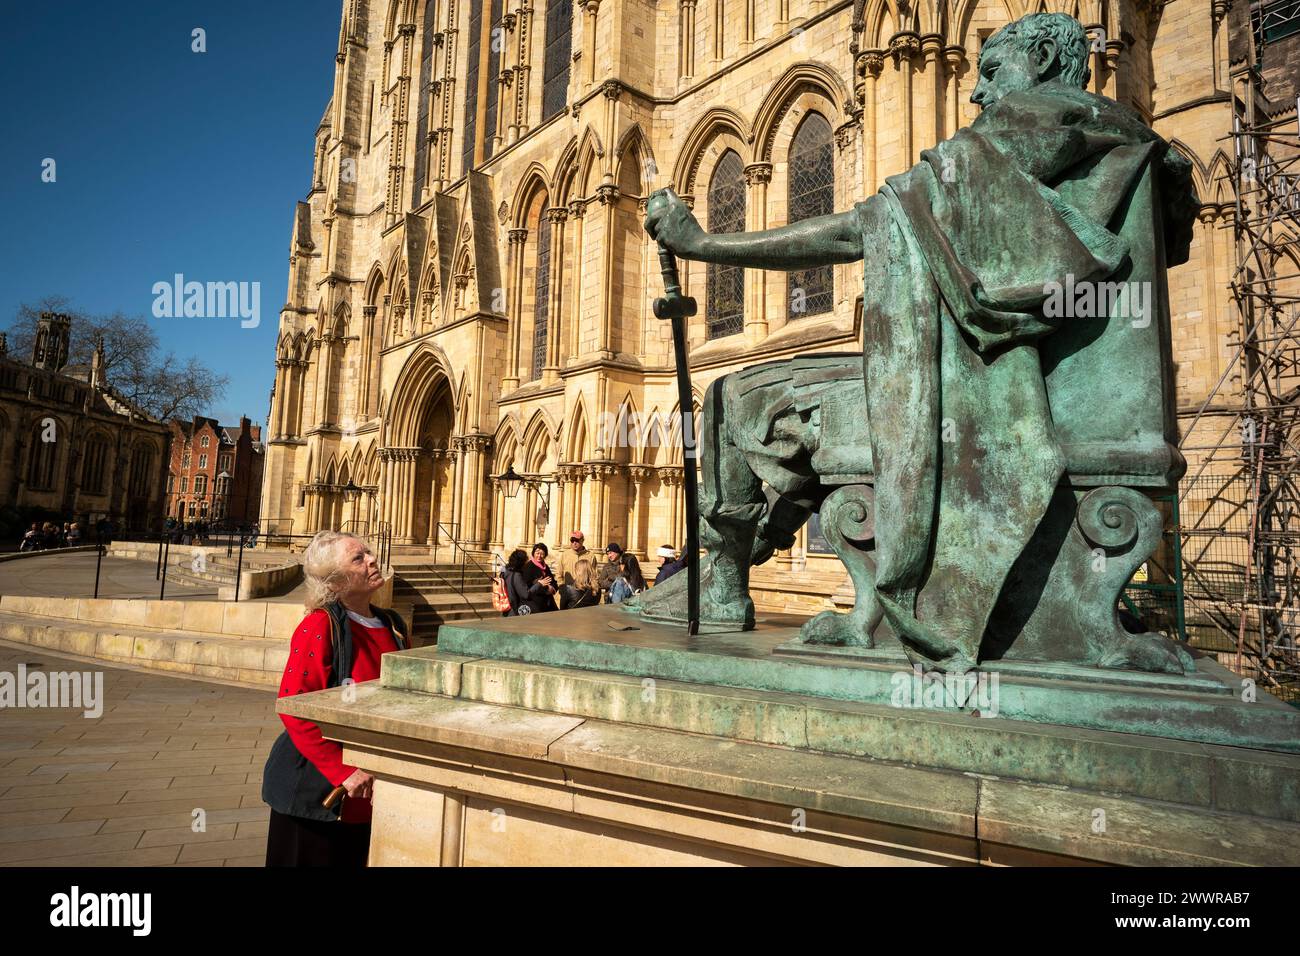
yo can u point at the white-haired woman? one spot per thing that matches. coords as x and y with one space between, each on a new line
342 636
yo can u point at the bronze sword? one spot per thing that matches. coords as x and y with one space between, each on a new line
678 308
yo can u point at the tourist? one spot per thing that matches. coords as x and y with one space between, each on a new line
74 534
669 563
629 581
32 539
609 570
303 770
570 561
540 581
585 590
517 591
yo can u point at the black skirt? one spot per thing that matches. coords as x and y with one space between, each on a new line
297 841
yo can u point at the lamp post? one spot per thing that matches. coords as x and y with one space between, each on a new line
511 481
352 491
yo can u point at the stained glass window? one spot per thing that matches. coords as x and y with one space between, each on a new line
559 46
812 193
725 314
541 294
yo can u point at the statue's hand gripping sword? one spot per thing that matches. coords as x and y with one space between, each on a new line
678 308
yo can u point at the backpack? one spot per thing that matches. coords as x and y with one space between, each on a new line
620 590
500 597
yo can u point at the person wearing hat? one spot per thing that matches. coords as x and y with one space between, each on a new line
669 563
577 588
609 570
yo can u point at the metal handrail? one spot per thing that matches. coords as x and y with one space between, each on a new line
457 546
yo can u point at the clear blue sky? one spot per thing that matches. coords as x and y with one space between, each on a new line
167 161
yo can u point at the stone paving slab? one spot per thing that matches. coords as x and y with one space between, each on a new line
120 789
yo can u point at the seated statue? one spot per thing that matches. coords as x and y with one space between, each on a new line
1016 377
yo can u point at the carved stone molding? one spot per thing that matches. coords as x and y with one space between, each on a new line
904 46
756 173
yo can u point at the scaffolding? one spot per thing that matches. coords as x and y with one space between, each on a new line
1240 500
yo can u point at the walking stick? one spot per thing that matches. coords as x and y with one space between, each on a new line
678 308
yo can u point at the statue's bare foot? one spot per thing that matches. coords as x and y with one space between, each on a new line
1148 652
834 628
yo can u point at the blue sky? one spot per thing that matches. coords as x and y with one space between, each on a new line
167 161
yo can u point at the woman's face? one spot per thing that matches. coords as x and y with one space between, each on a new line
360 570
539 555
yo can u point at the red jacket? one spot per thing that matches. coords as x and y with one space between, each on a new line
307 670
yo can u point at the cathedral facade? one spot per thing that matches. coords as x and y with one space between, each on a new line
470 283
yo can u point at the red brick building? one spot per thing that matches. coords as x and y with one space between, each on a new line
215 471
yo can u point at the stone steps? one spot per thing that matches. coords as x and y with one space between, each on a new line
242 659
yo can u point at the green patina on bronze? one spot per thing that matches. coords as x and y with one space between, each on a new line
983 467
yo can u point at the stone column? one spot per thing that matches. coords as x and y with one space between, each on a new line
954 57
576 208
507 128
639 475
872 63
904 47
577 492
932 52
670 478
607 195
757 177
589 44
1110 87
556 215
560 495
478 447
497 520
517 239
458 486
281 397
686 41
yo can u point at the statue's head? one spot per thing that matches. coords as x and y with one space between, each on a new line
1039 48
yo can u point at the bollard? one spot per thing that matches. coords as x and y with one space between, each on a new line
99 557
162 588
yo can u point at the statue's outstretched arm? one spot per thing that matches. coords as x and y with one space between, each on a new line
818 241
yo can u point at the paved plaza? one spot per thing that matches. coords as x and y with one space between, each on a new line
63 574
122 789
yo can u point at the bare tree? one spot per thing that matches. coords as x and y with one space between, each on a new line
161 388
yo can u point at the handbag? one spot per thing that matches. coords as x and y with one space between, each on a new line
500 599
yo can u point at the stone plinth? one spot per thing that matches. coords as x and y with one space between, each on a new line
484 760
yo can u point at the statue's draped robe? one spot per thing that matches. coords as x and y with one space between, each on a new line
958 251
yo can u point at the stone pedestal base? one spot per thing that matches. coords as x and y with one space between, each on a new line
483 761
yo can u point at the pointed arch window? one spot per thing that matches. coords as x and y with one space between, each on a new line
473 45
485 39
811 193
541 294
725 285
559 46
496 43
40 471
422 144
